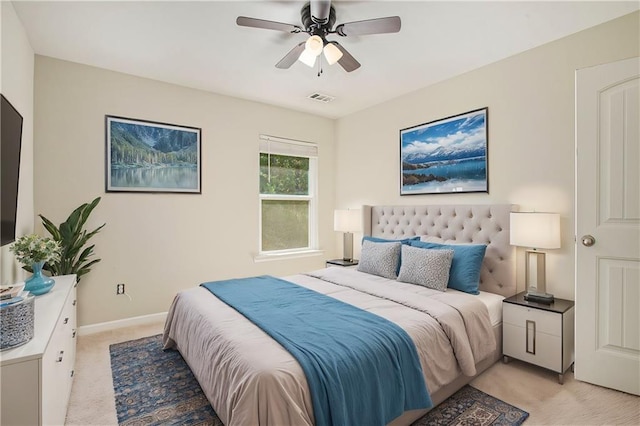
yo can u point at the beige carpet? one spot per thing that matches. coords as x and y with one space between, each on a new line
530 388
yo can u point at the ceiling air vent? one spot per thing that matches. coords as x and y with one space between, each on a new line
321 98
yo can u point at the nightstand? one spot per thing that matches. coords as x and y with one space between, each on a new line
537 333
341 262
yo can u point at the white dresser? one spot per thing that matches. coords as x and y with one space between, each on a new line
37 376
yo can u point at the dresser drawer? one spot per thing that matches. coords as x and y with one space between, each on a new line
58 363
54 382
545 322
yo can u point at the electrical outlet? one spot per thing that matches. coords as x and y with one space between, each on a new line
120 288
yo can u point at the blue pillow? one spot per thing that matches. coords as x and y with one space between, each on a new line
465 266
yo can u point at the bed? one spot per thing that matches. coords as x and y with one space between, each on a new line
249 378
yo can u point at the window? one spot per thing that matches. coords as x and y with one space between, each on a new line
288 175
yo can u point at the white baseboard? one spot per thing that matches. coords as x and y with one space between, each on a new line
127 322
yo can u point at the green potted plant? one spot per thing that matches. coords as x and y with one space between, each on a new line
75 258
34 251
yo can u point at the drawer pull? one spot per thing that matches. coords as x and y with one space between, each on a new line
531 339
72 372
74 302
60 357
73 336
66 320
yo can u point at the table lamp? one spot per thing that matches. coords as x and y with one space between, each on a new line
535 230
347 221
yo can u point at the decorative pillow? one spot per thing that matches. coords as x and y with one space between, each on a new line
425 267
381 259
404 241
465 266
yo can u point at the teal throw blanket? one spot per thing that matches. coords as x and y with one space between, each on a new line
361 368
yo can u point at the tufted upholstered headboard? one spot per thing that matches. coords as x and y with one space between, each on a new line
474 223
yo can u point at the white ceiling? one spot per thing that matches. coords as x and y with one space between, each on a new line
198 44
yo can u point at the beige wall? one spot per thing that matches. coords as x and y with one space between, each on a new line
531 134
158 244
16 84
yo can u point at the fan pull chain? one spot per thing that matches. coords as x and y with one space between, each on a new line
319 67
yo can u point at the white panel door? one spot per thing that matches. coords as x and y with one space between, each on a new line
607 350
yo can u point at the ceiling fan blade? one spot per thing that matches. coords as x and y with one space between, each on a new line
243 21
390 24
291 57
347 61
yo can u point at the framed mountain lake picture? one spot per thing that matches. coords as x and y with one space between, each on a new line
445 156
146 156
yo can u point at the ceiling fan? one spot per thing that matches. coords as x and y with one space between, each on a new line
318 19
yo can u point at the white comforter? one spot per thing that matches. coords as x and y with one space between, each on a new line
250 379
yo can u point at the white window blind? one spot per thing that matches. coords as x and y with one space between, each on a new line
280 146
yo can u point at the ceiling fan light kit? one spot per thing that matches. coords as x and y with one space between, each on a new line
313 49
318 18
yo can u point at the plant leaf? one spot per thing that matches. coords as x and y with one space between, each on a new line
51 228
74 259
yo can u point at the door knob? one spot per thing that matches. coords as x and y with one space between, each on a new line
588 240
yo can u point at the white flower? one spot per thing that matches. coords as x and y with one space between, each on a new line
30 249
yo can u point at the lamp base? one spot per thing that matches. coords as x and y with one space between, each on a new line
347 247
545 298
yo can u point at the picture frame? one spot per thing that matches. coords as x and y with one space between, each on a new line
150 156
448 155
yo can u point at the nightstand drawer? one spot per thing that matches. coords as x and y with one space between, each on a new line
540 349
545 322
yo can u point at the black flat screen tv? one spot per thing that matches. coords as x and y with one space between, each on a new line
10 144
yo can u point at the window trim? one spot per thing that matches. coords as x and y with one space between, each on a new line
312 154
269 256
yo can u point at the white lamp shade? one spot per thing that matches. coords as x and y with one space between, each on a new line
332 53
314 45
535 230
308 58
347 220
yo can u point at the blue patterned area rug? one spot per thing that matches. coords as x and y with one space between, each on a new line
156 387
471 407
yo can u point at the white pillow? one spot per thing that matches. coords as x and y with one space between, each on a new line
380 259
425 267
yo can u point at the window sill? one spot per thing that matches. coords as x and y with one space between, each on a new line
287 255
